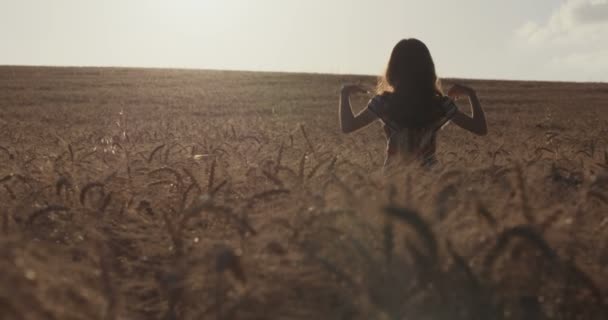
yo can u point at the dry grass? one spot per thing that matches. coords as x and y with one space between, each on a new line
161 194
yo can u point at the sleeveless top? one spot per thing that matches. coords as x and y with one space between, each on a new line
406 145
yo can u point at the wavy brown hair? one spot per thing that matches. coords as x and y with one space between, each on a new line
412 85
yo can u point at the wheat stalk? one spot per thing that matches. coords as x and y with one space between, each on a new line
279 158
6 178
523 193
422 229
8 153
87 188
106 262
308 142
38 213
157 149
178 177
5 222
211 178
525 233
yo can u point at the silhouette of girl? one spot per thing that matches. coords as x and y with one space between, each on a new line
411 106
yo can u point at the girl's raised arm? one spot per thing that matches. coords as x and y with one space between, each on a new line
477 123
348 121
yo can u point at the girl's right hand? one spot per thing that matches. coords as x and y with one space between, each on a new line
352 88
458 91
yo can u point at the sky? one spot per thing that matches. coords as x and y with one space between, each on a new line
563 40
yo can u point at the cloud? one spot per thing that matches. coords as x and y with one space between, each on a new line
574 22
590 11
573 37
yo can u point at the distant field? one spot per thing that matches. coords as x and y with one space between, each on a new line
174 194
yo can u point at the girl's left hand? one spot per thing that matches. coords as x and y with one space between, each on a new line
458 91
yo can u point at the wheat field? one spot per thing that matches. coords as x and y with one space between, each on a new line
182 194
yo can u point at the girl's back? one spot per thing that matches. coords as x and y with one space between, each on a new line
411 137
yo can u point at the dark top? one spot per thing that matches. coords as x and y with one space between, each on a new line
407 144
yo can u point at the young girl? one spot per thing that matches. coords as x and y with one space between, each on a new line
411 106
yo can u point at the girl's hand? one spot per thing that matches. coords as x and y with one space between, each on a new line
458 91
347 89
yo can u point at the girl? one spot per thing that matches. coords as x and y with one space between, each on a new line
411 106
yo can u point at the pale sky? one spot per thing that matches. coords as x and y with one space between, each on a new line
491 39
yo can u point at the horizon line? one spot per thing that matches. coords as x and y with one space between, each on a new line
267 71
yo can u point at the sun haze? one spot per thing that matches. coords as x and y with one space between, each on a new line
139 180
537 40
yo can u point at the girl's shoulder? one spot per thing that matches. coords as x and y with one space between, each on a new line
446 105
445 109
379 103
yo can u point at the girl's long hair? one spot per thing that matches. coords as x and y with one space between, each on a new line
412 85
